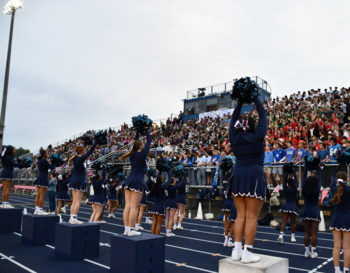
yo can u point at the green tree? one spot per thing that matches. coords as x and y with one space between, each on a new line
20 151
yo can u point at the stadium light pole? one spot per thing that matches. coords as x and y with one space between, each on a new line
9 9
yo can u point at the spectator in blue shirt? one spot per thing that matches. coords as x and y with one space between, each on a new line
279 156
291 153
323 153
333 148
301 153
267 166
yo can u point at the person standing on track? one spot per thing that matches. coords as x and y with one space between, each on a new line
311 214
113 199
247 184
134 186
62 194
158 209
42 182
181 203
227 209
289 209
142 207
340 222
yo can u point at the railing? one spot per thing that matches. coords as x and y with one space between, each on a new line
226 87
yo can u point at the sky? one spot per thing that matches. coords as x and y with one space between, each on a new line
79 65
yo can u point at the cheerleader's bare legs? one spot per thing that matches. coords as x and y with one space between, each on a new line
169 218
338 237
98 211
248 211
60 204
148 215
6 187
139 218
132 202
292 217
77 197
311 229
92 217
114 205
182 210
157 224
39 199
100 216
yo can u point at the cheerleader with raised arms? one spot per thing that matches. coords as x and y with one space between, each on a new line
226 209
113 199
142 207
340 222
134 185
62 194
181 203
77 184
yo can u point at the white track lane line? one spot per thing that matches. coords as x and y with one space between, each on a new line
261 232
17 263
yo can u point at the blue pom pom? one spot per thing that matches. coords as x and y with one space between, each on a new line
339 157
312 163
226 164
121 176
96 165
245 90
140 122
180 169
56 159
164 165
289 167
152 172
346 156
101 138
109 168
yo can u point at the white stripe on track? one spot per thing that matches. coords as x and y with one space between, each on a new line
196 239
196 224
102 265
218 234
192 267
17 263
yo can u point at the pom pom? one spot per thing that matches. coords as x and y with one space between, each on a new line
140 122
109 168
226 164
245 90
96 165
87 139
121 176
56 159
338 156
346 156
164 165
152 172
289 167
101 138
180 169
312 163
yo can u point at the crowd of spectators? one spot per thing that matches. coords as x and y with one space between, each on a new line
312 122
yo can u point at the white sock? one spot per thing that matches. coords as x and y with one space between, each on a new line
40 208
307 249
137 225
346 270
281 233
226 238
230 239
131 228
337 269
247 250
167 231
313 249
179 225
127 229
36 208
293 235
147 218
238 247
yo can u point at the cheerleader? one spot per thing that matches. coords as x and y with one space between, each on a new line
181 203
98 200
134 186
42 182
311 214
113 199
340 223
77 184
104 191
150 202
227 209
62 194
158 208
142 207
7 174
247 184
171 204
289 209
232 219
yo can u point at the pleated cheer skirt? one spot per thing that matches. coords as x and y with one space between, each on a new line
77 183
63 196
340 220
311 213
290 208
171 203
249 181
228 204
134 182
151 199
181 200
233 214
6 175
157 208
42 181
97 199
113 197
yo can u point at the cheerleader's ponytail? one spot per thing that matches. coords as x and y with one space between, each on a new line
341 178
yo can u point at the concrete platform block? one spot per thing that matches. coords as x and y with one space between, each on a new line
267 264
